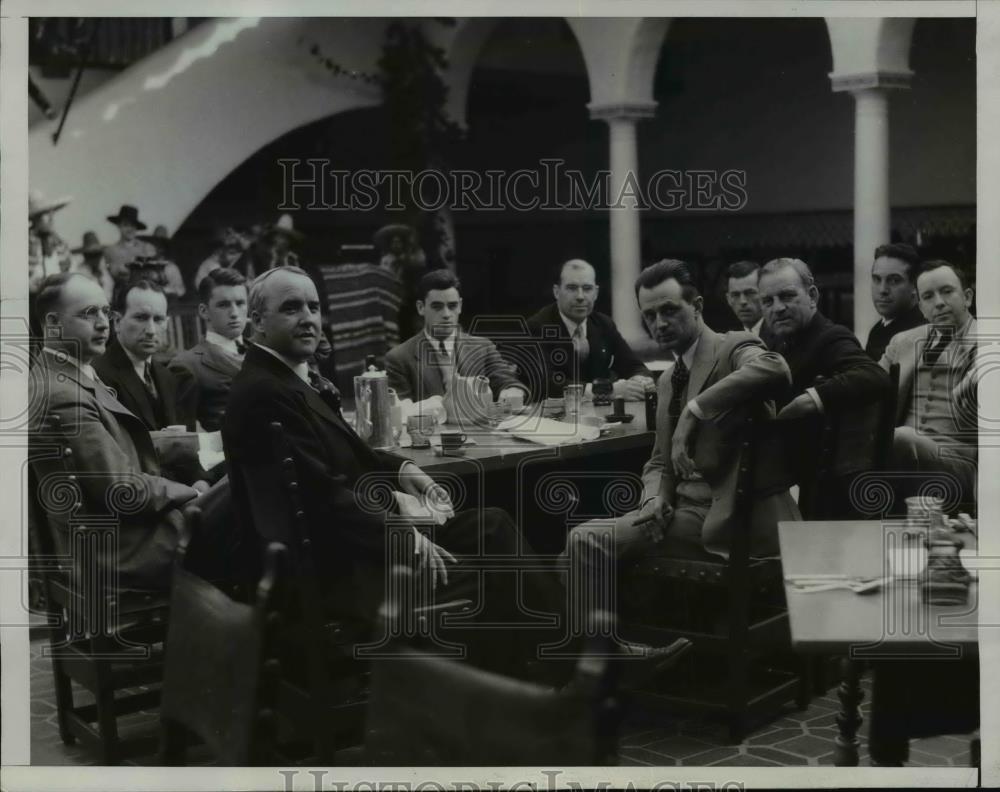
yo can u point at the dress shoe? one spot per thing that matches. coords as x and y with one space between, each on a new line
642 663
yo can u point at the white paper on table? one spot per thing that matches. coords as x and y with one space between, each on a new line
547 431
421 511
210 451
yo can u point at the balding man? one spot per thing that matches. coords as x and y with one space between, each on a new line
112 451
348 531
591 346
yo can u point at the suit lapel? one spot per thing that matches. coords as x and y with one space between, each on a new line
129 382
166 387
431 379
705 360
214 358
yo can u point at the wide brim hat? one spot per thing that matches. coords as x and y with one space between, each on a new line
91 245
383 237
158 237
285 225
129 213
38 204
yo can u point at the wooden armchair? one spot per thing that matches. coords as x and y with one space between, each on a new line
106 640
220 680
432 711
734 613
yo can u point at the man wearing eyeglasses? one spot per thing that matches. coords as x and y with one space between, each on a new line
591 348
111 455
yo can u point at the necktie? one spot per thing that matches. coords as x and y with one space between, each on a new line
147 380
678 385
580 344
241 348
446 364
932 353
326 389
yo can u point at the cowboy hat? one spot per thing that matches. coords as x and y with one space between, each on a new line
129 213
285 225
383 237
159 237
91 245
38 205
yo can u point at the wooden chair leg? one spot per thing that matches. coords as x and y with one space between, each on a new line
975 757
64 700
738 667
107 720
173 744
804 694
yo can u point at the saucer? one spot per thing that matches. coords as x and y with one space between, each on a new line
623 418
460 451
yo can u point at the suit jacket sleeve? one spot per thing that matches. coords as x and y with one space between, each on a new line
756 374
499 372
626 364
104 467
399 379
855 378
330 496
188 390
658 473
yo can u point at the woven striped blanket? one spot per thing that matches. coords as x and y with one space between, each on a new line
363 312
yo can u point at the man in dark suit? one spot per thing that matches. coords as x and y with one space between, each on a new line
119 475
813 346
689 499
894 292
335 468
423 365
586 343
205 372
145 386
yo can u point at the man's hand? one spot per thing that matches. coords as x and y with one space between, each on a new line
654 517
201 487
799 407
632 389
413 481
431 559
681 442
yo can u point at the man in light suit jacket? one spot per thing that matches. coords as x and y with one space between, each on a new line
423 365
205 372
690 480
937 409
113 457
588 342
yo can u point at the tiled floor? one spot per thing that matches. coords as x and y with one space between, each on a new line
794 738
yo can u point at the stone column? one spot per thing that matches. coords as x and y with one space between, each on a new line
871 181
624 218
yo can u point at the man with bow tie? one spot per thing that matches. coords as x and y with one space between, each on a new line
111 457
936 418
205 372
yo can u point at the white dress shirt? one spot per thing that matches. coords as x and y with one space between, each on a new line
227 344
139 364
449 343
756 328
572 326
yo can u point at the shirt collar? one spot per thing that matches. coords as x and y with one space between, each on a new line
228 344
571 325
688 356
449 342
756 328
139 364
886 322
300 369
85 368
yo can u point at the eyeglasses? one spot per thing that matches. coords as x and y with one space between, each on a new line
92 312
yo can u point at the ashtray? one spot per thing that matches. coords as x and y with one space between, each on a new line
623 418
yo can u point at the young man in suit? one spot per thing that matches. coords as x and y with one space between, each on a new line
423 365
743 295
690 479
348 529
112 451
937 409
144 385
894 292
591 346
205 372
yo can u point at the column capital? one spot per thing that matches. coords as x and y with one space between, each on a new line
622 110
867 80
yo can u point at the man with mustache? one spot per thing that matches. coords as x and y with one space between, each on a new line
717 381
111 450
937 410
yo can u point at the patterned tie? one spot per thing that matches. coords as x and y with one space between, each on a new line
932 353
241 348
147 380
678 385
446 364
326 389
